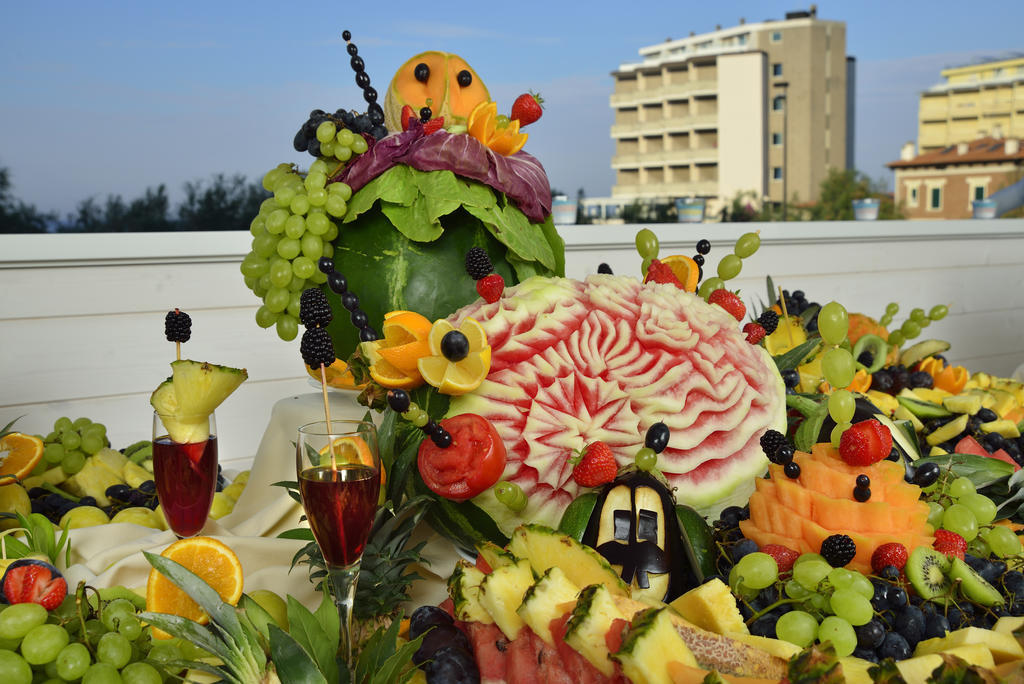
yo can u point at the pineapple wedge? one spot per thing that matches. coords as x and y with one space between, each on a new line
494 555
712 607
919 668
546 548
544 601
1005 625
464 589
650 644
192 394
591 619
134 474
112 460
92 480
1004 647
501 593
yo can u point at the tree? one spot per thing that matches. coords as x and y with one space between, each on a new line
841 187
15 215
222 204
144 214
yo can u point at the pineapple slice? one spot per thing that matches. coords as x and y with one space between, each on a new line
201 387
134 474
711 606
92 480
183 431
112 460
494 555
1004 647
919 668
501 593
591 620
651 642
464 589
546 548
544 601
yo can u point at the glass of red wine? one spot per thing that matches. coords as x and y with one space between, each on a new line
339 478
185 471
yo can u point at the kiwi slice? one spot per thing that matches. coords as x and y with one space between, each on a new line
973 585
927 570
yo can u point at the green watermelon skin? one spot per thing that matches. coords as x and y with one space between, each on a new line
390 272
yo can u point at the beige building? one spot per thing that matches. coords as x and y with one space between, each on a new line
760 107
974 101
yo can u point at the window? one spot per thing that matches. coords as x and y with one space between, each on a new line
776 69
979 192
776 138
935 199
776 36
776 173
778 103
912 196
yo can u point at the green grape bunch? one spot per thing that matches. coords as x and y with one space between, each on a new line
70 443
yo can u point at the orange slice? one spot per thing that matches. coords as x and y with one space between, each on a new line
685 269
458 377
352 450
338 375
19 454
213 561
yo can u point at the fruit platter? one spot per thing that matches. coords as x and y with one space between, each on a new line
650 479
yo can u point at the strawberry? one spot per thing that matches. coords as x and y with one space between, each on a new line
730 302
950 543
892 553
433 125
407 114
660 273
783 555
527 108
865 443
33 581
754 331
596 466
490 287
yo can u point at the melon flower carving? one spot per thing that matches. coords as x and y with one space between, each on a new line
460 358
500 134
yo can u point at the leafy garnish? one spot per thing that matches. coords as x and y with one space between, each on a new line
797 355
816 664
886 672
39 539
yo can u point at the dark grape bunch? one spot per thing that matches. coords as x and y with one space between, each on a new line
339 286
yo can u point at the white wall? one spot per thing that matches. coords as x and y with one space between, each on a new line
81 316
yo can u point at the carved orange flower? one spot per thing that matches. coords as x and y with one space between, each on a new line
483 124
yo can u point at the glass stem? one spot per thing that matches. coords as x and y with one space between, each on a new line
343 585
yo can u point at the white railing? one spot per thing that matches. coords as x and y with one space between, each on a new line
81 316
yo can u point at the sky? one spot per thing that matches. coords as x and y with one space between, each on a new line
102 98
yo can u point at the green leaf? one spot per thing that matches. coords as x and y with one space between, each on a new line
306 630
294 665
7 428
803 403
191 631
439 185
300 533
474 194
511 227
981 470
202 593
807 314
772 292
557 245
380 662
414 222
795 356
327 615
257 615
806 435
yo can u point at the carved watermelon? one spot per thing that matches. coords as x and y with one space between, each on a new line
573 362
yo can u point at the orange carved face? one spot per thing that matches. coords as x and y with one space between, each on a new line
440 80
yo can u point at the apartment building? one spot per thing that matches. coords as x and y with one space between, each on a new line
973 101
761 107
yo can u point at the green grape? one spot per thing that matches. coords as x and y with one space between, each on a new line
287 327
833 323
72 661
511 495
738 587
299 205
114 649
43 644
335 206
18 619
862 585
938 312
327 149
284 194
295 226
53 453
805 557
910 329
979 547
258 226
838 367
141 673
294 307
303 267
51 438
729 267
94 629
264 246
1002 541
918 315
344 190
925 323
280 272
61 424
710 285
91 443
312 246
317 223
315 180
837 433
14 669
647 245
645 265
115 611
276 221
325 131
277 299
793 589
851 606
346 137
164 652
130 627
960 487
70 439
73 461
840 633
797 627
842 406
810 573
840 578
896 338
101 673
885 320
96 429
317 197
332 232
935 511
358 144
983 508
646 459
818 602
255 265
319 278
265 317
297 285
959 518
342 153
270 179
892 308
288 248
268 206
81 423
758 570
747 245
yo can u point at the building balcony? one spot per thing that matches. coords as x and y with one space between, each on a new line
667 190
703 155
671 125
673 91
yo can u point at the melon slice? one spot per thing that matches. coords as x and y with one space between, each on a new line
603 359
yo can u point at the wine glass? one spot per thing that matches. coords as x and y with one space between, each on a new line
185 469
339 478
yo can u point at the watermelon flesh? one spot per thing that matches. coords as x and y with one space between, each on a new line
574 362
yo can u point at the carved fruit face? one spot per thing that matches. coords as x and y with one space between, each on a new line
440 80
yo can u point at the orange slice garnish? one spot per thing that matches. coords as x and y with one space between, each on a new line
685 269
19 454
351 449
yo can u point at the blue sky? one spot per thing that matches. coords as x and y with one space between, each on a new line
112 97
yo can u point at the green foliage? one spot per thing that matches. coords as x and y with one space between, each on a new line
841 187
15 215
221 203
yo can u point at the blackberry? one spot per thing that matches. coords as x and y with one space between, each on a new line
771 440
478 264
314 311
316 347
769 320
838 550
604 268
177 326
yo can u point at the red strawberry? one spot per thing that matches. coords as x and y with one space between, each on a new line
407 113
865 443
754 331
950 543
783 555
527 108
730 302
433 125
490 287
660 273
596 467
33 581
892 553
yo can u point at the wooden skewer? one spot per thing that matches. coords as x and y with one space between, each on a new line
785 315
177 348
327 415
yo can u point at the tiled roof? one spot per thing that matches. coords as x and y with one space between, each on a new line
980 151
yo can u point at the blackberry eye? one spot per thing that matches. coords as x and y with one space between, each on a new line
464 78
422 72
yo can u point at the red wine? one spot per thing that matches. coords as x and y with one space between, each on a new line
340 505
186 477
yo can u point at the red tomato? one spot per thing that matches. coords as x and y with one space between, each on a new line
474 461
